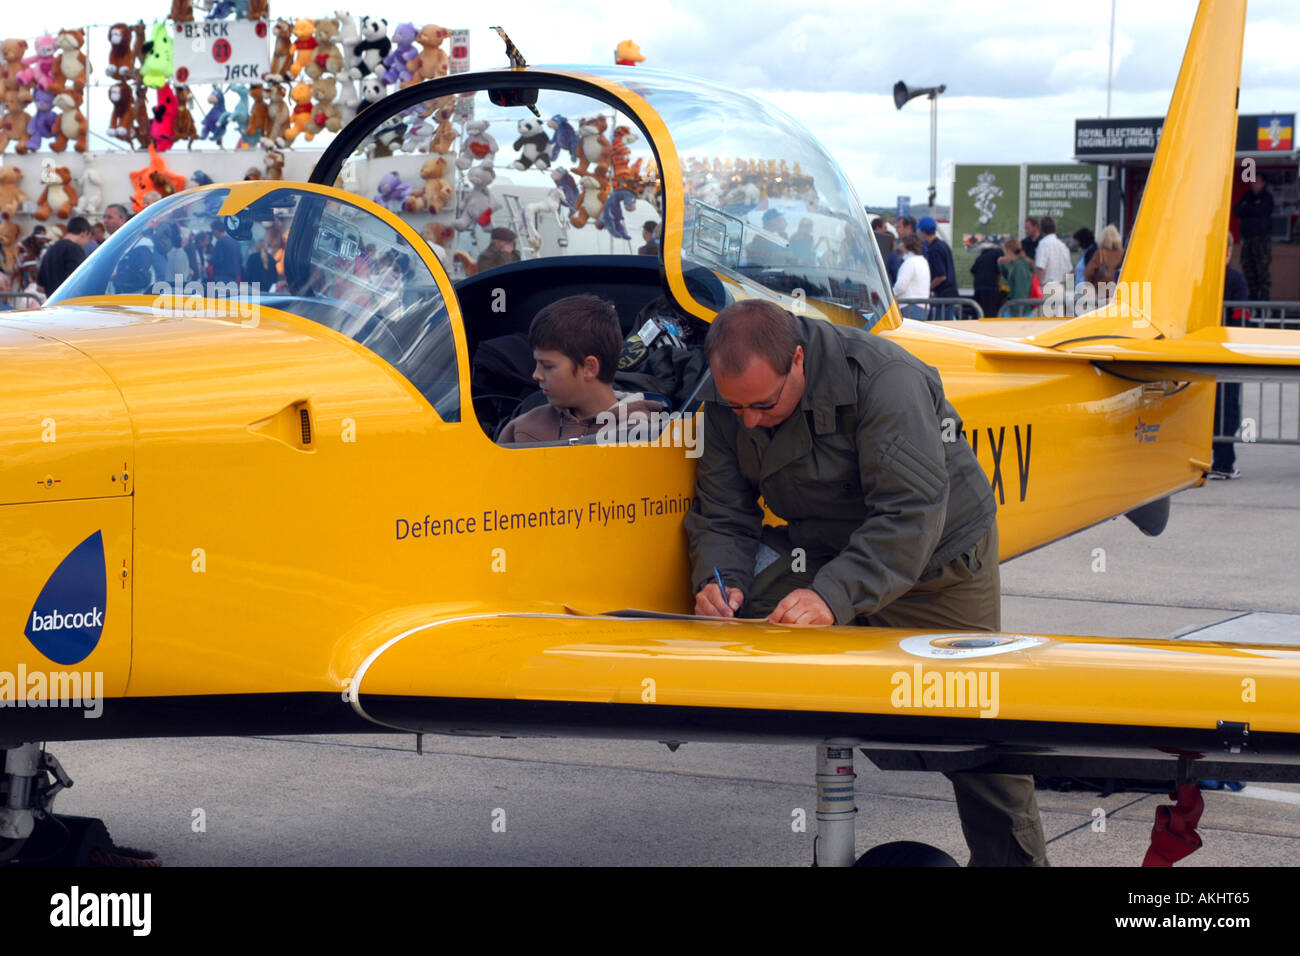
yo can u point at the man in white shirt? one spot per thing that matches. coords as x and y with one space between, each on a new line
1053 267
913 277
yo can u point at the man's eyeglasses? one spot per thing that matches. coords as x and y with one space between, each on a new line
758 406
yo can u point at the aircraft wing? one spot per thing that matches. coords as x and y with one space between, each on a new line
676 679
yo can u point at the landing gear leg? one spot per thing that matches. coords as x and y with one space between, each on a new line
835 844
28 793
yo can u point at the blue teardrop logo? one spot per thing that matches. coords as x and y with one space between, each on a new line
68 616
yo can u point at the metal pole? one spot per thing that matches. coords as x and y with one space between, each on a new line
1110 66
934 138
835 804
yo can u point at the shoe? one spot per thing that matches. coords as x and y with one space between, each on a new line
1221 474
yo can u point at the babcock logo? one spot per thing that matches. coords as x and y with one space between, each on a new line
68 617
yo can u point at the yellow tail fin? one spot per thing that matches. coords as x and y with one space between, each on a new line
1172 279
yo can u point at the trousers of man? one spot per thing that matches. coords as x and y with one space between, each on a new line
1227 419
998 811
1256 262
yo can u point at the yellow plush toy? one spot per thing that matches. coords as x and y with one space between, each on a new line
304 45
300 116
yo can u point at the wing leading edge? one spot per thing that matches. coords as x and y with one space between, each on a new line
603 676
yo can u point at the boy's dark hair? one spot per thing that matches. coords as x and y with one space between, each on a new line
1047 225
578 326
751 329
77 225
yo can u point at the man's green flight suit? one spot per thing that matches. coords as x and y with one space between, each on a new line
896 525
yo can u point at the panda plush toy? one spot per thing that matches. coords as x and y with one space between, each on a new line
532 143
372 90
368 55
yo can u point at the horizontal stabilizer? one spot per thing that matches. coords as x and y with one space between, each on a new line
1228 353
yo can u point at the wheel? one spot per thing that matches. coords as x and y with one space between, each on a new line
905 853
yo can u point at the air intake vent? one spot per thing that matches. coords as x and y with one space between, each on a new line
304 417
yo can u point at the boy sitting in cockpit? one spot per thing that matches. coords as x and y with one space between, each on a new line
576 342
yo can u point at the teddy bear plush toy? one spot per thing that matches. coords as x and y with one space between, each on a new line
70 63
373 48
299 117
328 58
396 64
71 124
9 233
325 115
154 181
41 126
11 197
532 143
444 135
11 55
163 128
432 61
478 144
479 204
58 197
437 192
304 46
38 69
13 124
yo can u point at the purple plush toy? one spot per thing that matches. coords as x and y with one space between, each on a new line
41 126
565 138
611 217
392 191
403 52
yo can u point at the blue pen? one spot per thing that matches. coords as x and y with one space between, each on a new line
722 585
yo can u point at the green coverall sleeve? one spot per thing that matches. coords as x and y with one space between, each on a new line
904 479
724 525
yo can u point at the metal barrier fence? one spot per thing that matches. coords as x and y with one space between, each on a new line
1262 315
934 308
5 296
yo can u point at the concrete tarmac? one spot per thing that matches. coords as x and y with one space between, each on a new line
1230 549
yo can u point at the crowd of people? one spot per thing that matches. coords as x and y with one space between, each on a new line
49 255
1038 266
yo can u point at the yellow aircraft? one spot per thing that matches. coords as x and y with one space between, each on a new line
281 509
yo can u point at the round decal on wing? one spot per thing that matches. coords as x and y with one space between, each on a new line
966 644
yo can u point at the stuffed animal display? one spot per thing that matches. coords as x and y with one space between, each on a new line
38 68
70 127
479 205
396 68
373 47
119 124
391 191
214 122
11 197
121 62
59 196
41 126
13 124
478 145
155 179
158 63
163 128
532 143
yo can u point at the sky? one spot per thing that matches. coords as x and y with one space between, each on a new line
1017 75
